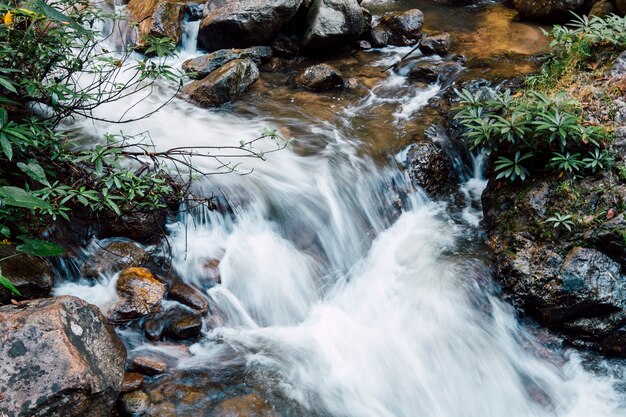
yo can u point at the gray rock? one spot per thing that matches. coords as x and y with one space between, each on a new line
619 66
436 44
243 23
206 64
548 10
32 276
223 85
60 359
113 258
319 78
404 28
378 36
332 24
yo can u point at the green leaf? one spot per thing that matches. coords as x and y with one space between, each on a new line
35 171
53 14
7 148
38 247
6 83
18 197
4 282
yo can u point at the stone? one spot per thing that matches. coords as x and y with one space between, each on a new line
285 46
436 44
134 403
431 169
223 85
332 24
206 64
113 258
251 405
32 276
602 8
378 36
319 77
619 66
178 323
404 28
189 296
431 73
552 11
132 381
243 23
147 365
142 293
365 45
142 227
157 18
60 358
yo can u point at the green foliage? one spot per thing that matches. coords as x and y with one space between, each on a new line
559 220
531 131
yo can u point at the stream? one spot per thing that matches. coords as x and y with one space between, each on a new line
346 291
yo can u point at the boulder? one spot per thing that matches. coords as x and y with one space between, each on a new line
60 358
142 292
113 258
223 85
404 28
178 323
206 64
436 44
319 78
189 296
431 169
243 23
32 276
552 11
157 18
432 72
332 24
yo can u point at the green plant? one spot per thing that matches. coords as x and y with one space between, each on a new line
561 221
566 162
512 169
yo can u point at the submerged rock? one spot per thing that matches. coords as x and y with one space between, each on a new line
178 323
206 64
114 257
32 276
223 85
60 358
436 44
142 293
332 24
319 78
548 10
243 23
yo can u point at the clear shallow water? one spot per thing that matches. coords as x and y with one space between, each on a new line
344 291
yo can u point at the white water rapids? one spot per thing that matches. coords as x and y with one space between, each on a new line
340 304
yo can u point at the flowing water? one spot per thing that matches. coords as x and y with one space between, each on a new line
344 290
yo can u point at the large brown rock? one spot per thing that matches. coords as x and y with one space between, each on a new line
60 358
548 10
223 85
32 276
157 18
332 24
243 23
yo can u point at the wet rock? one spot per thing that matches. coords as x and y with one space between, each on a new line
548 10
134 403
142 227
113 258
602 8
319 78
147 365
436 44
243 23
251 405
32 276
332 24
431 73
157 18
404 28
142 293
189 296
206 64
431 168
285 46
178 323
223 85
378 36
60 359
365 45
132 381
